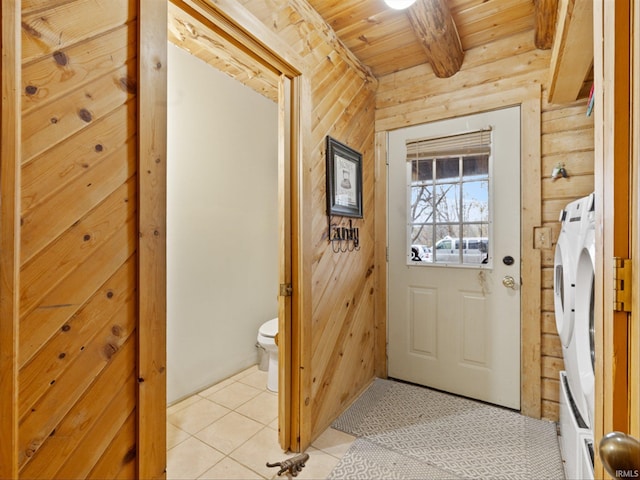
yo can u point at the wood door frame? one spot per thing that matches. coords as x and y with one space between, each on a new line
634 347
10 158
617 137
152 238
528 98
234 24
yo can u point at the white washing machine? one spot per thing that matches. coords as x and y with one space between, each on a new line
574 417
574 438
572 294
566 257
584 331
585 470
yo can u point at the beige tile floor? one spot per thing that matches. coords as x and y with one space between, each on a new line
230 430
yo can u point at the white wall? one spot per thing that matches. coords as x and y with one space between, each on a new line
222 243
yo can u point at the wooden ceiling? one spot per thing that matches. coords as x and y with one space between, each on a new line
384 41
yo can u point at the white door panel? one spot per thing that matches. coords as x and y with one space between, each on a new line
457 328
423 307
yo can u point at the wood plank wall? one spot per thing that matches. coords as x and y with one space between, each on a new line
339 361
77 346
407 98
567 138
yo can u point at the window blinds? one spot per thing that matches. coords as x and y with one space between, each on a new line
476 142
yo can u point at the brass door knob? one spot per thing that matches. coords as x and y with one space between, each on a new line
509 282
620 455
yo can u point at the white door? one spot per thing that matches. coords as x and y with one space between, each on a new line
454 256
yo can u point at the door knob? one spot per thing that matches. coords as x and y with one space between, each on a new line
620 455
509 282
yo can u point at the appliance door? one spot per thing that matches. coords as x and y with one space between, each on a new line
563 287
584 322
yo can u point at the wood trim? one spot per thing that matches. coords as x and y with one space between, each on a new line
599 280
529 98
531 272
302 215
284 277
613 193
10 154
617 196
235 24
152 190
634 334
381 242
531 208
285 339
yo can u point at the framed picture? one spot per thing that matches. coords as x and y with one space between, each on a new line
344 180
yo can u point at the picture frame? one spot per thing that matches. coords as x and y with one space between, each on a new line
344 179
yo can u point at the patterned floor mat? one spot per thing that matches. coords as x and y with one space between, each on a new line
411 432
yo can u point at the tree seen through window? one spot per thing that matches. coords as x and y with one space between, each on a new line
449 209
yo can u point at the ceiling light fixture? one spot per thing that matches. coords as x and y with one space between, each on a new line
399 4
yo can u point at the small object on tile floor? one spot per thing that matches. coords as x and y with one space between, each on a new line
293 464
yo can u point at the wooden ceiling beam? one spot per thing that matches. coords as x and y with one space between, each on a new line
572 54
546 14
434 26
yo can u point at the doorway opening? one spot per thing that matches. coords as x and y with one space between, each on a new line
222 223
209 34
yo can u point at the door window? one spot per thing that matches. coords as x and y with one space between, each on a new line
448 200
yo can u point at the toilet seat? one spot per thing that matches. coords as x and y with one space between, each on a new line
269 329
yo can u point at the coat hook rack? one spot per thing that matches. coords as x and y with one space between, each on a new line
344 239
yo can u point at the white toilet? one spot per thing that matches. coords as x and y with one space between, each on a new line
267 340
